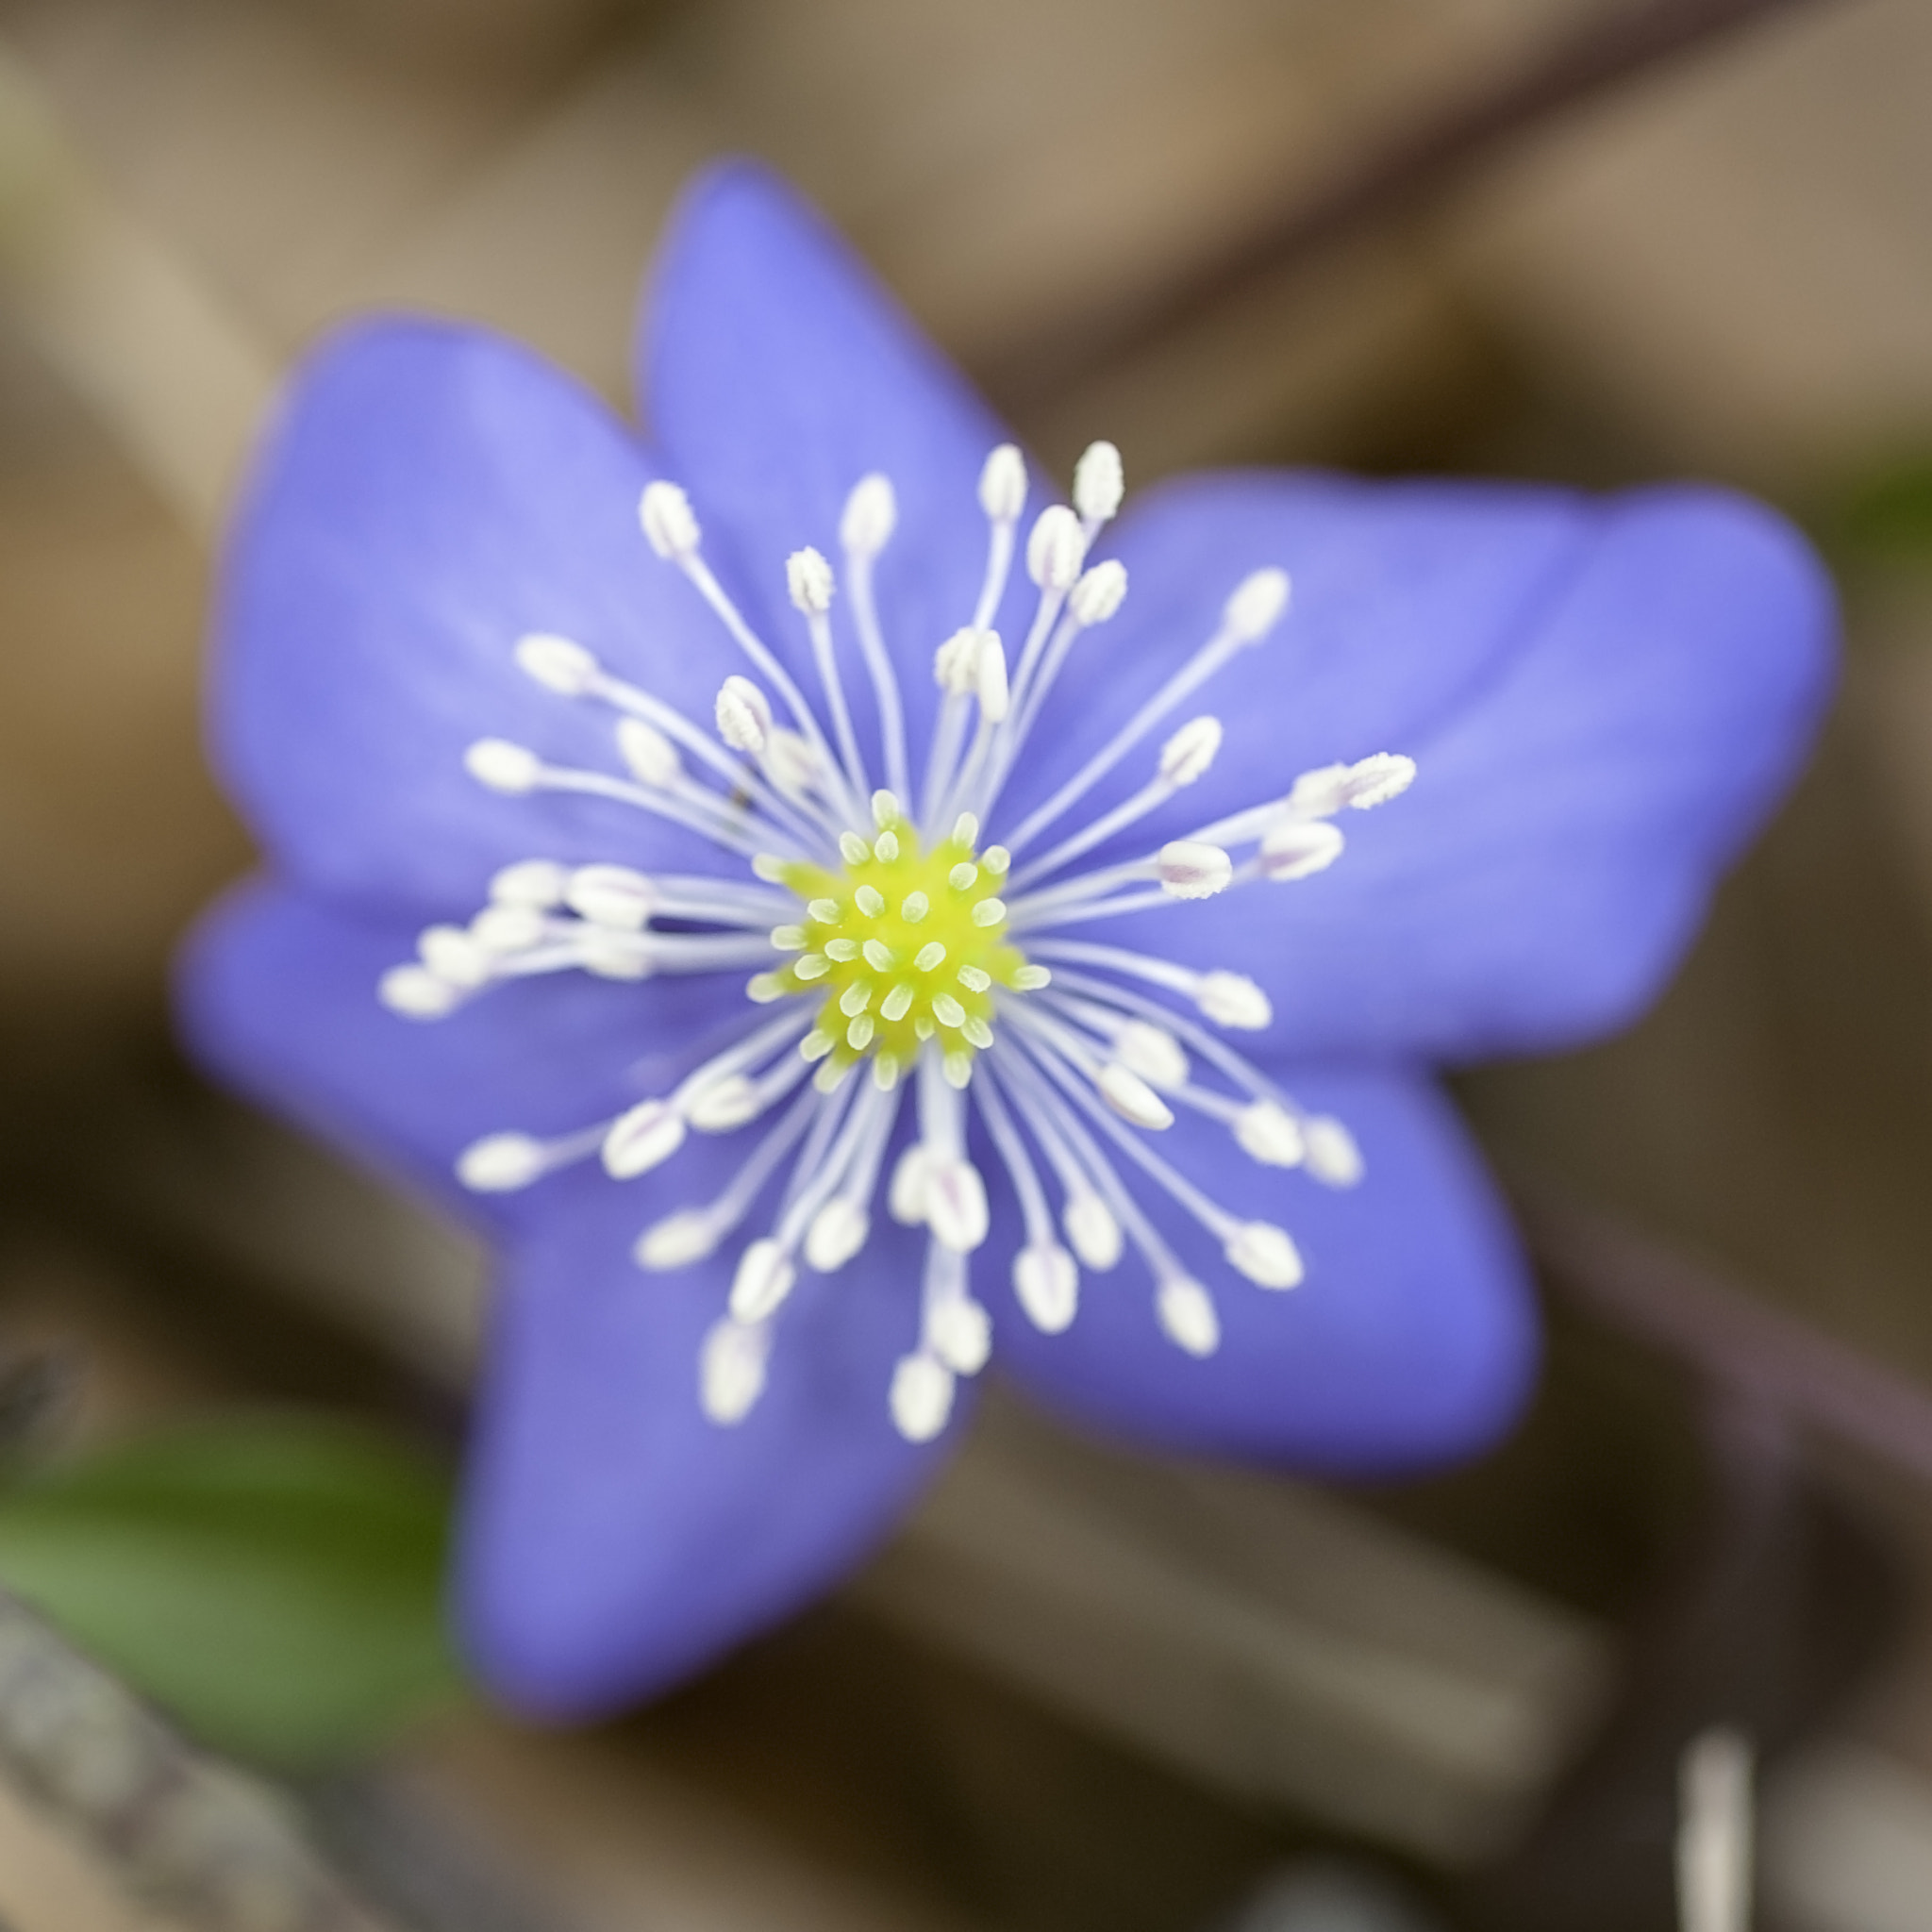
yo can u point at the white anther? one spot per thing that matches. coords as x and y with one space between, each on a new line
451 954
611 896
1056 549
417 993
1375 780
502 766
1270 1134
538 882
1187 754
808 579
842 950
558 665
853 849
1256 604
610 954
990 678
1031 978
965 829
905 1197
988 912
871 512
1297 848
893 1006
724 1105
878 956
790 939
869 900
1047 1285
957 1065
764 1278
885 848
961 1334
1092 1231
811 966
1099 593
505 929
997 860
731 1370
769 867
744 715
1098 482
837 1232
1153 1053
641 1140
858 1035
855 998
1003 484
956 664
946 1009
1131 1097
885 1071
831 1077
1188 869
974 978
929 955
678 1240
954 1200
1332 1156
650 756
886 808
1187 1312
921 1396
791 762
976 1031
670 525
501 1163
1232 999
963 876
1265 1255
913 907
761 988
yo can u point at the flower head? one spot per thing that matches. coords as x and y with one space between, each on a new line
835 910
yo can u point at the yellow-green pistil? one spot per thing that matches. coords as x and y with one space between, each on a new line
905 945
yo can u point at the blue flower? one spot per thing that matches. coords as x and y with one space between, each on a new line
983 940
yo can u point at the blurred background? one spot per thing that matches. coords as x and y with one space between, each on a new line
1594 241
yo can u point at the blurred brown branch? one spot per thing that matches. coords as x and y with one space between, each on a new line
1620 44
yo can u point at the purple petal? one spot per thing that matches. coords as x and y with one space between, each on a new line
277 996
1411 1341
428 495
1603 708
615 1540
776 372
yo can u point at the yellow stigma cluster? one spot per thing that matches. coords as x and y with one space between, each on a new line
905 946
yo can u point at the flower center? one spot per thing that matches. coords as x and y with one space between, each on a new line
905 943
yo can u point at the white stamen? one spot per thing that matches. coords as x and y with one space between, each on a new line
1003 485
871 515
1047 1285
1187 869
1131 1097
506 929
643 1138
1092 1231
650 756
1270 1134
558 664
809 579
1098 593
502 1163
678 1240
724 1104
731 1368
921 1396
1153 1053
1265 1255
503 767
1298 848
744 715
906 1198
611 896
1255 606
954 1202
1187 1312
1363 784
990 678
1099 482
538 882
1056 550
1232 999
956 664
838 1230
1187 754
765 1276
1331 1154
960 1332
669 522
453 955
417 993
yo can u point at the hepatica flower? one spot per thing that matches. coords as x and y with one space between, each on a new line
835 913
